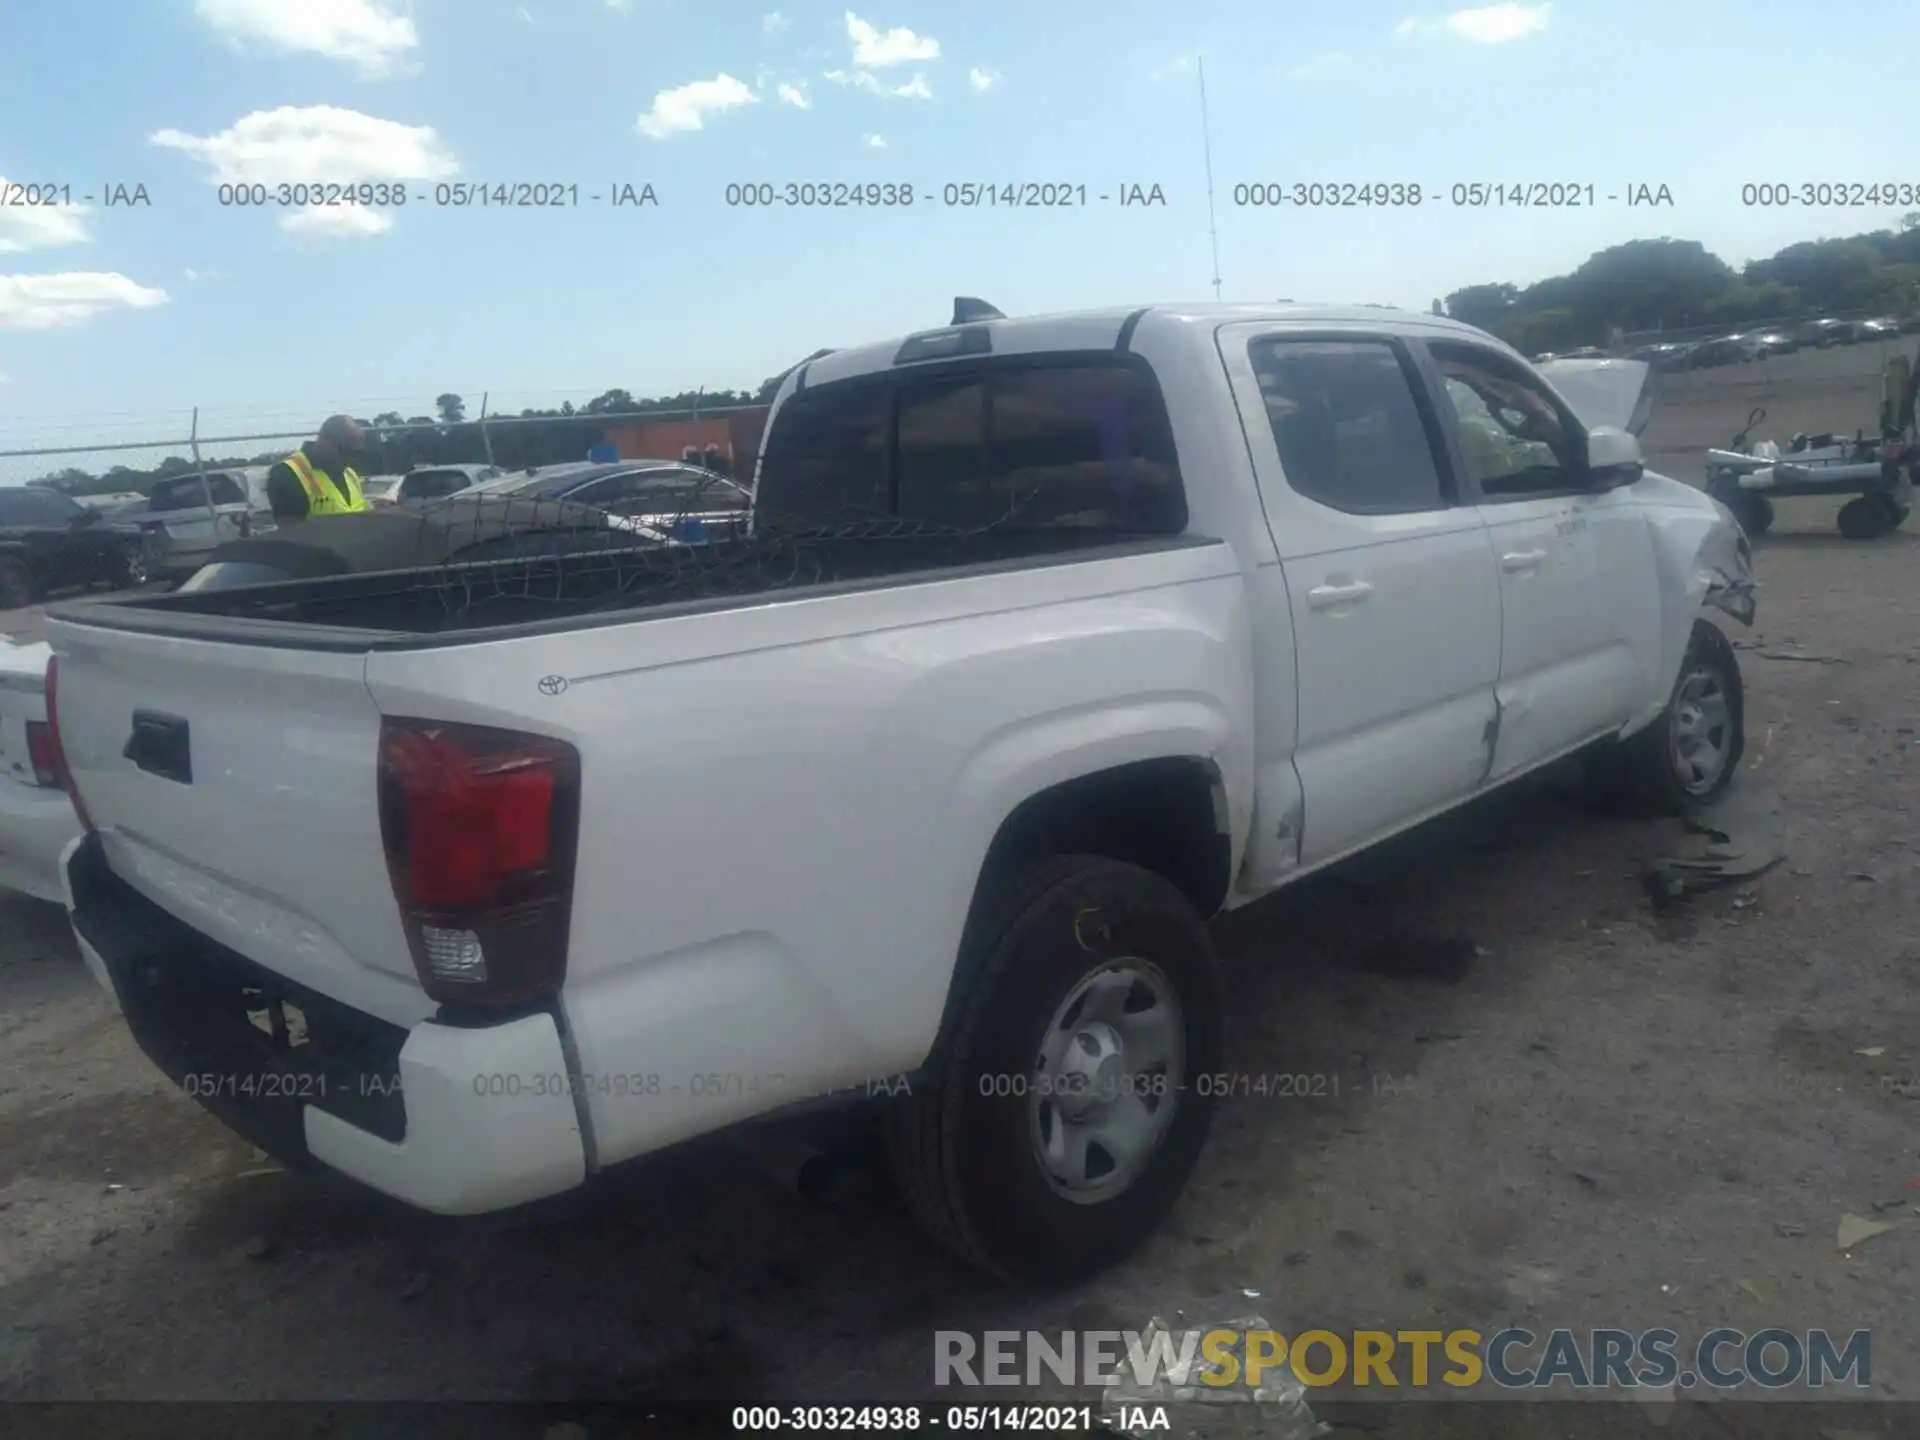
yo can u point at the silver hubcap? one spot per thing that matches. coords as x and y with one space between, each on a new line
1701 737
1107 1081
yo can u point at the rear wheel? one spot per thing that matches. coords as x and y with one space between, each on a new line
130 571
1689 755
1753 510
1070 1107
16 585
1868 517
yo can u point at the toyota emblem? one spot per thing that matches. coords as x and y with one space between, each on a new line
553 685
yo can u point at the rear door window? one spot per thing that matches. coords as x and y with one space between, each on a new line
1348 426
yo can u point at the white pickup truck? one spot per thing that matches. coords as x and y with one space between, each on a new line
1054 637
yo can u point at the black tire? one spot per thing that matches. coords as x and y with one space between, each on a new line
1641 774
1868 517
1753 510
966 1158
17 587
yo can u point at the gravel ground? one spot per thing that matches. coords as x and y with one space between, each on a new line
1597 1117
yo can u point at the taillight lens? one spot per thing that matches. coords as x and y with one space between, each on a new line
43 751
57 766
481 827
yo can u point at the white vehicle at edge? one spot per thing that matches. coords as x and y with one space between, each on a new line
36 819
1243 600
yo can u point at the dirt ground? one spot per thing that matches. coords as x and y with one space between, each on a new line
1603 1117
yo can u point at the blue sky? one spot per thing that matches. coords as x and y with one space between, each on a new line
114 321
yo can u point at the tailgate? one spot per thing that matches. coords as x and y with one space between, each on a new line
235 786
23 670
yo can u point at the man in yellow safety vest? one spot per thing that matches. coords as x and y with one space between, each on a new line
319 478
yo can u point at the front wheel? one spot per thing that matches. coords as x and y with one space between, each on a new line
1070 1107
1689 755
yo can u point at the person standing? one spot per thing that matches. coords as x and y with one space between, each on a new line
318 479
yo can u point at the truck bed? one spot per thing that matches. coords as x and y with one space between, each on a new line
490 600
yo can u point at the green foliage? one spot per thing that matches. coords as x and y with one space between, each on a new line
1671 284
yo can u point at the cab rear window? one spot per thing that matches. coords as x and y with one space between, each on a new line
1081 444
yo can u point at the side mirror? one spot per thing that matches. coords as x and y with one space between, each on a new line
1613 458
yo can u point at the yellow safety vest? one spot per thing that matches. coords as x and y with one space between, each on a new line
326 495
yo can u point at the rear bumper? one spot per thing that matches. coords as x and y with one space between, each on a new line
36 825
459 1121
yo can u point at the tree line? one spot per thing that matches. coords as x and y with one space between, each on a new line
1643 285
552 437
1647 285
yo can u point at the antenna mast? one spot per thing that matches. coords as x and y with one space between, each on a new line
1206 142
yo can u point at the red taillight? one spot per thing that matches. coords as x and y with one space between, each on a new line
44 752
480 827
56 748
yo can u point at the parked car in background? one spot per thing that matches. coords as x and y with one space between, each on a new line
436 482
1727 350
463 528
1819 334
379 489
49 542
181 531
1775 342
36 816
684 502
1669 355
1883 328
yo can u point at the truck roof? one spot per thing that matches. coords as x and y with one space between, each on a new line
1101 330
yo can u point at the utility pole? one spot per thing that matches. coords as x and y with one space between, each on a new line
1206 143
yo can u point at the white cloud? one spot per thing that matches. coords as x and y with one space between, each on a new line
773 22
1484 25
1497 24
315 143
876 48
796 96
623 7
320 144
685 109
982 80
46 302
525 14
1178 66
914 89
876 142
365 33
40 227
337 220
6 379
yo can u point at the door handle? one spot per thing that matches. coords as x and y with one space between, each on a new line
1325 597
1519 562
